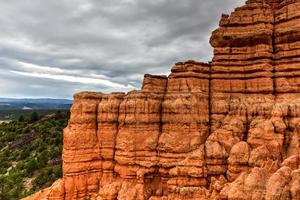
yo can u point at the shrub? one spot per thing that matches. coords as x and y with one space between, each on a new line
34 117
24 154
21 118
31 166
43 159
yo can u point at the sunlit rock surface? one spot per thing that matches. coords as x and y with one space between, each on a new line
229 129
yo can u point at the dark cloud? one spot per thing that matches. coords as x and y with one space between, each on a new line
56 48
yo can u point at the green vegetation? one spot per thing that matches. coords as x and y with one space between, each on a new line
30 153
16 114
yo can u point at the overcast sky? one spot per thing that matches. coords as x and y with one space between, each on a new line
54 48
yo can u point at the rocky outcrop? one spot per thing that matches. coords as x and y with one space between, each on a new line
229 129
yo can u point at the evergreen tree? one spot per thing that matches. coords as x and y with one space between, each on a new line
34 117
21 118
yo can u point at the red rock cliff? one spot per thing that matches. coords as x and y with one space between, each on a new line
225 130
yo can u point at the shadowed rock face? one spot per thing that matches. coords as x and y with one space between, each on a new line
225 130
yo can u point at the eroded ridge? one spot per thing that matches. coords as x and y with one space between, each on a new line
225 130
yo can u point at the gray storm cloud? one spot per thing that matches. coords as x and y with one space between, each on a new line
57 48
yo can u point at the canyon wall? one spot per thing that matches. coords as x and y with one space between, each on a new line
228 129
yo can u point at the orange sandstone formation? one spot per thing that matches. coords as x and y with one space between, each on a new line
229 129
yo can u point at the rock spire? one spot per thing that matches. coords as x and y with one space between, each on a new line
229 129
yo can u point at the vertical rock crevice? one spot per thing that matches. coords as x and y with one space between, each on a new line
274 51
209 98
161 116
115 139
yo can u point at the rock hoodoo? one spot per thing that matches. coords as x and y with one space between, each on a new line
229 129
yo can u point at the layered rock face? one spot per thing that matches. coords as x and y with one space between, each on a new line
229 129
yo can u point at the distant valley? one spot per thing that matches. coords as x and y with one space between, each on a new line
34 104
11 108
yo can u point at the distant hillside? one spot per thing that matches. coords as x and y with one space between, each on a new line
37 101
7 115
30 153
35 104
